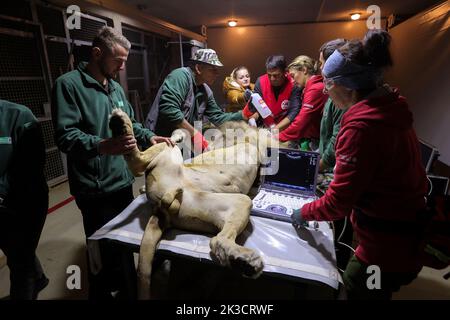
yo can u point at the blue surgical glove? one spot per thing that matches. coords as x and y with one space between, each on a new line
297 220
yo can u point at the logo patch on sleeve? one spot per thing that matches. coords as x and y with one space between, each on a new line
5 140
347 159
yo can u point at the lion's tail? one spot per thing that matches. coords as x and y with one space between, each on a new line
152 235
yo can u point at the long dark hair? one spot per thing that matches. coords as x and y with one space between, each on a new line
372 50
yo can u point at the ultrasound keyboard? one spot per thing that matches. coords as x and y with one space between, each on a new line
278 205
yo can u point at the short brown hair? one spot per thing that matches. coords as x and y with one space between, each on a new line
107 38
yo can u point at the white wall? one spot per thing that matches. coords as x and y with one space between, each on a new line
250 46
421 53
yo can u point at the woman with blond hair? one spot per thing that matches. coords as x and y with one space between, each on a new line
305 128
237 89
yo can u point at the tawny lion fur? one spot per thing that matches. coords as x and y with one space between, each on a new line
202 196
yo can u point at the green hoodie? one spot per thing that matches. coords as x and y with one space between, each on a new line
329 128
81 109
171 102
22 157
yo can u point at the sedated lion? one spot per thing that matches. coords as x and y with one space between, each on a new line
205 195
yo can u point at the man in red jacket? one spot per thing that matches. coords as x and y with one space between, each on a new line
379 179
277 90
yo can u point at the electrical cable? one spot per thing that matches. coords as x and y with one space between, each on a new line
343 229
346 245
431 186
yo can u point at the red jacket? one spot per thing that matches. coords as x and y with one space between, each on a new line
307 123
280 105
378 172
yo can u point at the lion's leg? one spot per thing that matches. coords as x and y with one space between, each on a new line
219 210
120 124
137 161
224 246
152 235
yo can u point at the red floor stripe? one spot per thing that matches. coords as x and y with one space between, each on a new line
61 204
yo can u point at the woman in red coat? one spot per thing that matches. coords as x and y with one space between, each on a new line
305 128
379 179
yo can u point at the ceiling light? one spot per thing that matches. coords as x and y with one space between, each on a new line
355 16
232 23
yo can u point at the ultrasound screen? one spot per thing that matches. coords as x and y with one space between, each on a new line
296 170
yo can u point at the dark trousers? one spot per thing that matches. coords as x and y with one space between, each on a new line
343 233
118 272
20 230
355 281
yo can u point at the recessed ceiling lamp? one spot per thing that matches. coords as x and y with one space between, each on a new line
355 16
232 23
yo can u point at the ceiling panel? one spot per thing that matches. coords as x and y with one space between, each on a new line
215 13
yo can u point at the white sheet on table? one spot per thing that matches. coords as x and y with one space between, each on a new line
308 254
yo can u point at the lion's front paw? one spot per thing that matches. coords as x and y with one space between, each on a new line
245 260
120 123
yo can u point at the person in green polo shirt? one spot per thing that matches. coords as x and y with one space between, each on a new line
331 118
23 198
329 129
99 179
186 97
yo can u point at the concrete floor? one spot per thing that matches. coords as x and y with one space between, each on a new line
62 244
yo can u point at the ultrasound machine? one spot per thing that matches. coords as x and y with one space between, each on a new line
292 186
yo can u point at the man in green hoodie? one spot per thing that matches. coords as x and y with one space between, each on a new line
23 198
185 97
99 178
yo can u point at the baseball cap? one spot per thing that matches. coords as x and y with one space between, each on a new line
208 56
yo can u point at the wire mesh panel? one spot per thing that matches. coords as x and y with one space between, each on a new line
52 21
135 64
17 9
23 78
81 53
109 21
158 59
31 93
88 29
19 57
48 133
135 101
162 53
138 85
54 167
131 35
149 41
58 57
